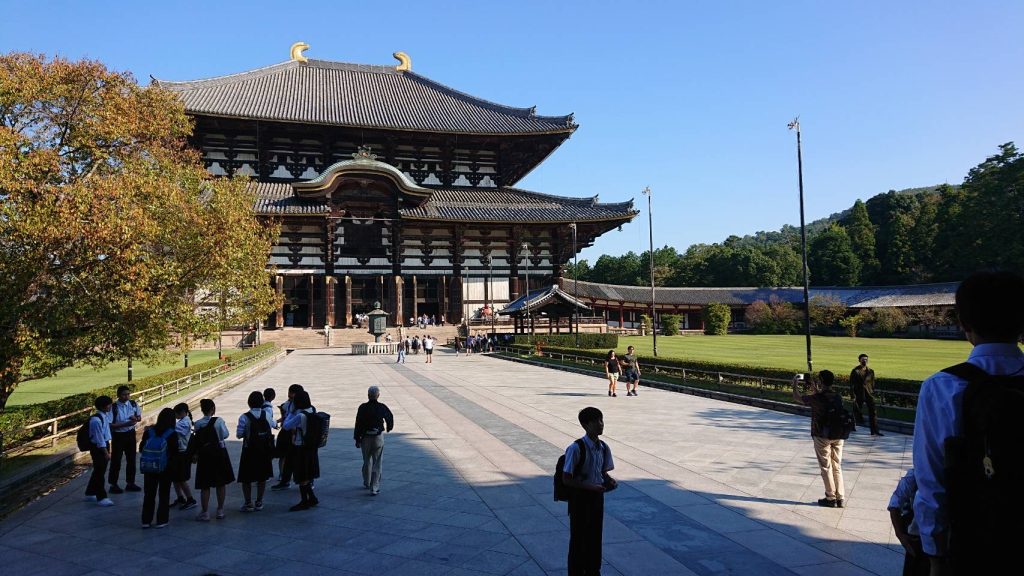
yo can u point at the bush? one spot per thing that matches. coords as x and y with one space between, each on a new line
826 312
850 323
645 324
670 324
758 317
716 319
596 341
888 321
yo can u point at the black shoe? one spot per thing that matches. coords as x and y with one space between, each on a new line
304 505
840 503
132 488
281 486
826 503
877 433
115 489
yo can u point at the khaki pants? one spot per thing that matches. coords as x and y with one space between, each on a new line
373 455
830 460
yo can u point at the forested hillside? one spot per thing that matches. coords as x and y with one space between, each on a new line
933 234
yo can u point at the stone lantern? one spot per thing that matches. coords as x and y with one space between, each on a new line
378 320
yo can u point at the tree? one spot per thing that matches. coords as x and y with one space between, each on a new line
110 227
670 324
994 211
716 319
579 271
862 240
851 323
759 318
826 312
831 259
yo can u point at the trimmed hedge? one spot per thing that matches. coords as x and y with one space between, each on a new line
13 419
842 380
607 341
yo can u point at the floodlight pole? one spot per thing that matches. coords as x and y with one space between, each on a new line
795 125
654 311
575 284
526 250
490 290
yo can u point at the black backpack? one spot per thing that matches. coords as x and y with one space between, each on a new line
984 469
82 438
205 442
838 422
259 435
561 491
318 426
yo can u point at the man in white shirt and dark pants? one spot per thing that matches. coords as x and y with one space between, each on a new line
99 450
125 414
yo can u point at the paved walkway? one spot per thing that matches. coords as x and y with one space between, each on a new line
706 487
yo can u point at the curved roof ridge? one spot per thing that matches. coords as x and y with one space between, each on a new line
582 201
528 112
225 78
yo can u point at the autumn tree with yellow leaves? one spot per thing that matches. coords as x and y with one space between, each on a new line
112 234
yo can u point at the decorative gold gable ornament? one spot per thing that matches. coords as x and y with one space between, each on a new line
405 63
297 49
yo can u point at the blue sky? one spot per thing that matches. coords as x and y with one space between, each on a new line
689 98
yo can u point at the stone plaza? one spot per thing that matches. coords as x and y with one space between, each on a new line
706 487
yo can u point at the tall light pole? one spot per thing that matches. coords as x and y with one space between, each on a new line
654 311
490 290
526 250
795 125
575 284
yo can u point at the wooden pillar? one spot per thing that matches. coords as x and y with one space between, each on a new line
513 288
399 287
415 299
310 301
329 283
348 300
279 315
622 323
442 299
457 301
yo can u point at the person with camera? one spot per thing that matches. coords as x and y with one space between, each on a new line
826 405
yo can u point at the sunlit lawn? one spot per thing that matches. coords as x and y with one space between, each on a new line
890 357
83 379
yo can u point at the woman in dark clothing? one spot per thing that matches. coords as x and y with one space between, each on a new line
154 481
213 470
305 459
255 464
611 371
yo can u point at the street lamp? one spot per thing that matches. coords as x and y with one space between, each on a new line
575 284
490 290
654 312
795 125
526 250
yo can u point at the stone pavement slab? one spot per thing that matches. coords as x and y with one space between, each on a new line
706 487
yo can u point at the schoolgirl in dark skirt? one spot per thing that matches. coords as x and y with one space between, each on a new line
305 459
255 464
284 441
213 469
183 471
157 485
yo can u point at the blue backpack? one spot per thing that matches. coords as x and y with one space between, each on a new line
153 458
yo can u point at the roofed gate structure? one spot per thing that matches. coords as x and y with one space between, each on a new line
389 186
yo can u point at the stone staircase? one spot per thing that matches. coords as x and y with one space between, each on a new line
296 338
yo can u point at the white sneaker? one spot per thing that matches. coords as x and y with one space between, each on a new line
105 502
90 498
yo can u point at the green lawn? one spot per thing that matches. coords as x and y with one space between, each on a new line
76 380
890 357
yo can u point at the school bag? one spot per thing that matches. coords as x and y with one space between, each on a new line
838 421
259 434
561 491
204 442
153 458
318 426
984 469
82 437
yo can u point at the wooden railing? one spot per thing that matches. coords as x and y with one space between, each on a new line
143 397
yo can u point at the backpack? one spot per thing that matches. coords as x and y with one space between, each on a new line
204 442
838 422
83 439
259 434
113 415
153 458
562 492
984 469
318 426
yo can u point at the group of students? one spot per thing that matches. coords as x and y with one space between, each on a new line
171 446
414 344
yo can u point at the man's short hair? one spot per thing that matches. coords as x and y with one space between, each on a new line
590 414
827 378
862 356
102 402
123 388
373 392
990 303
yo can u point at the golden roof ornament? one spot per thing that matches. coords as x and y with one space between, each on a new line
297 49
405 63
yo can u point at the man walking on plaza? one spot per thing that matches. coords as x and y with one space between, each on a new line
631 371
373 419
99 450
587 463
862 380
124 416
826 432
428 348
967 437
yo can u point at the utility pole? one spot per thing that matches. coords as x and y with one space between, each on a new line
795 125
529 318
654 311
575 284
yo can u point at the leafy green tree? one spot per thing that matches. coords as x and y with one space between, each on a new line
826 312
624 270
579 271
862 240
888 321
670 324
831 259
895 214
111 230
716 319
994 211
851 323
759 318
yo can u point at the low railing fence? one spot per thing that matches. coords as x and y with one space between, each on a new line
55 431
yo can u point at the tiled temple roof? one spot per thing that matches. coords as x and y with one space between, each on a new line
852 297
341 94
463 205
541 298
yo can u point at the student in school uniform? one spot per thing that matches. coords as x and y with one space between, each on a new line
256 463
305 457
183 471
284 441
213 470
99 450
124 416
269 395
157 485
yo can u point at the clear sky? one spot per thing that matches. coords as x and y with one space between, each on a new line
690 98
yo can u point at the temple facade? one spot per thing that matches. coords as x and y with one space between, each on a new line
391 187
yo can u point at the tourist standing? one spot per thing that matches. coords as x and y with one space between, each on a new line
401 353
632 371
862 380
304 452
213 469
585 473
124 415
611 371
256 463
183 470
416 344
99 451
828 441
284 441
373 419
158 483
428 349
